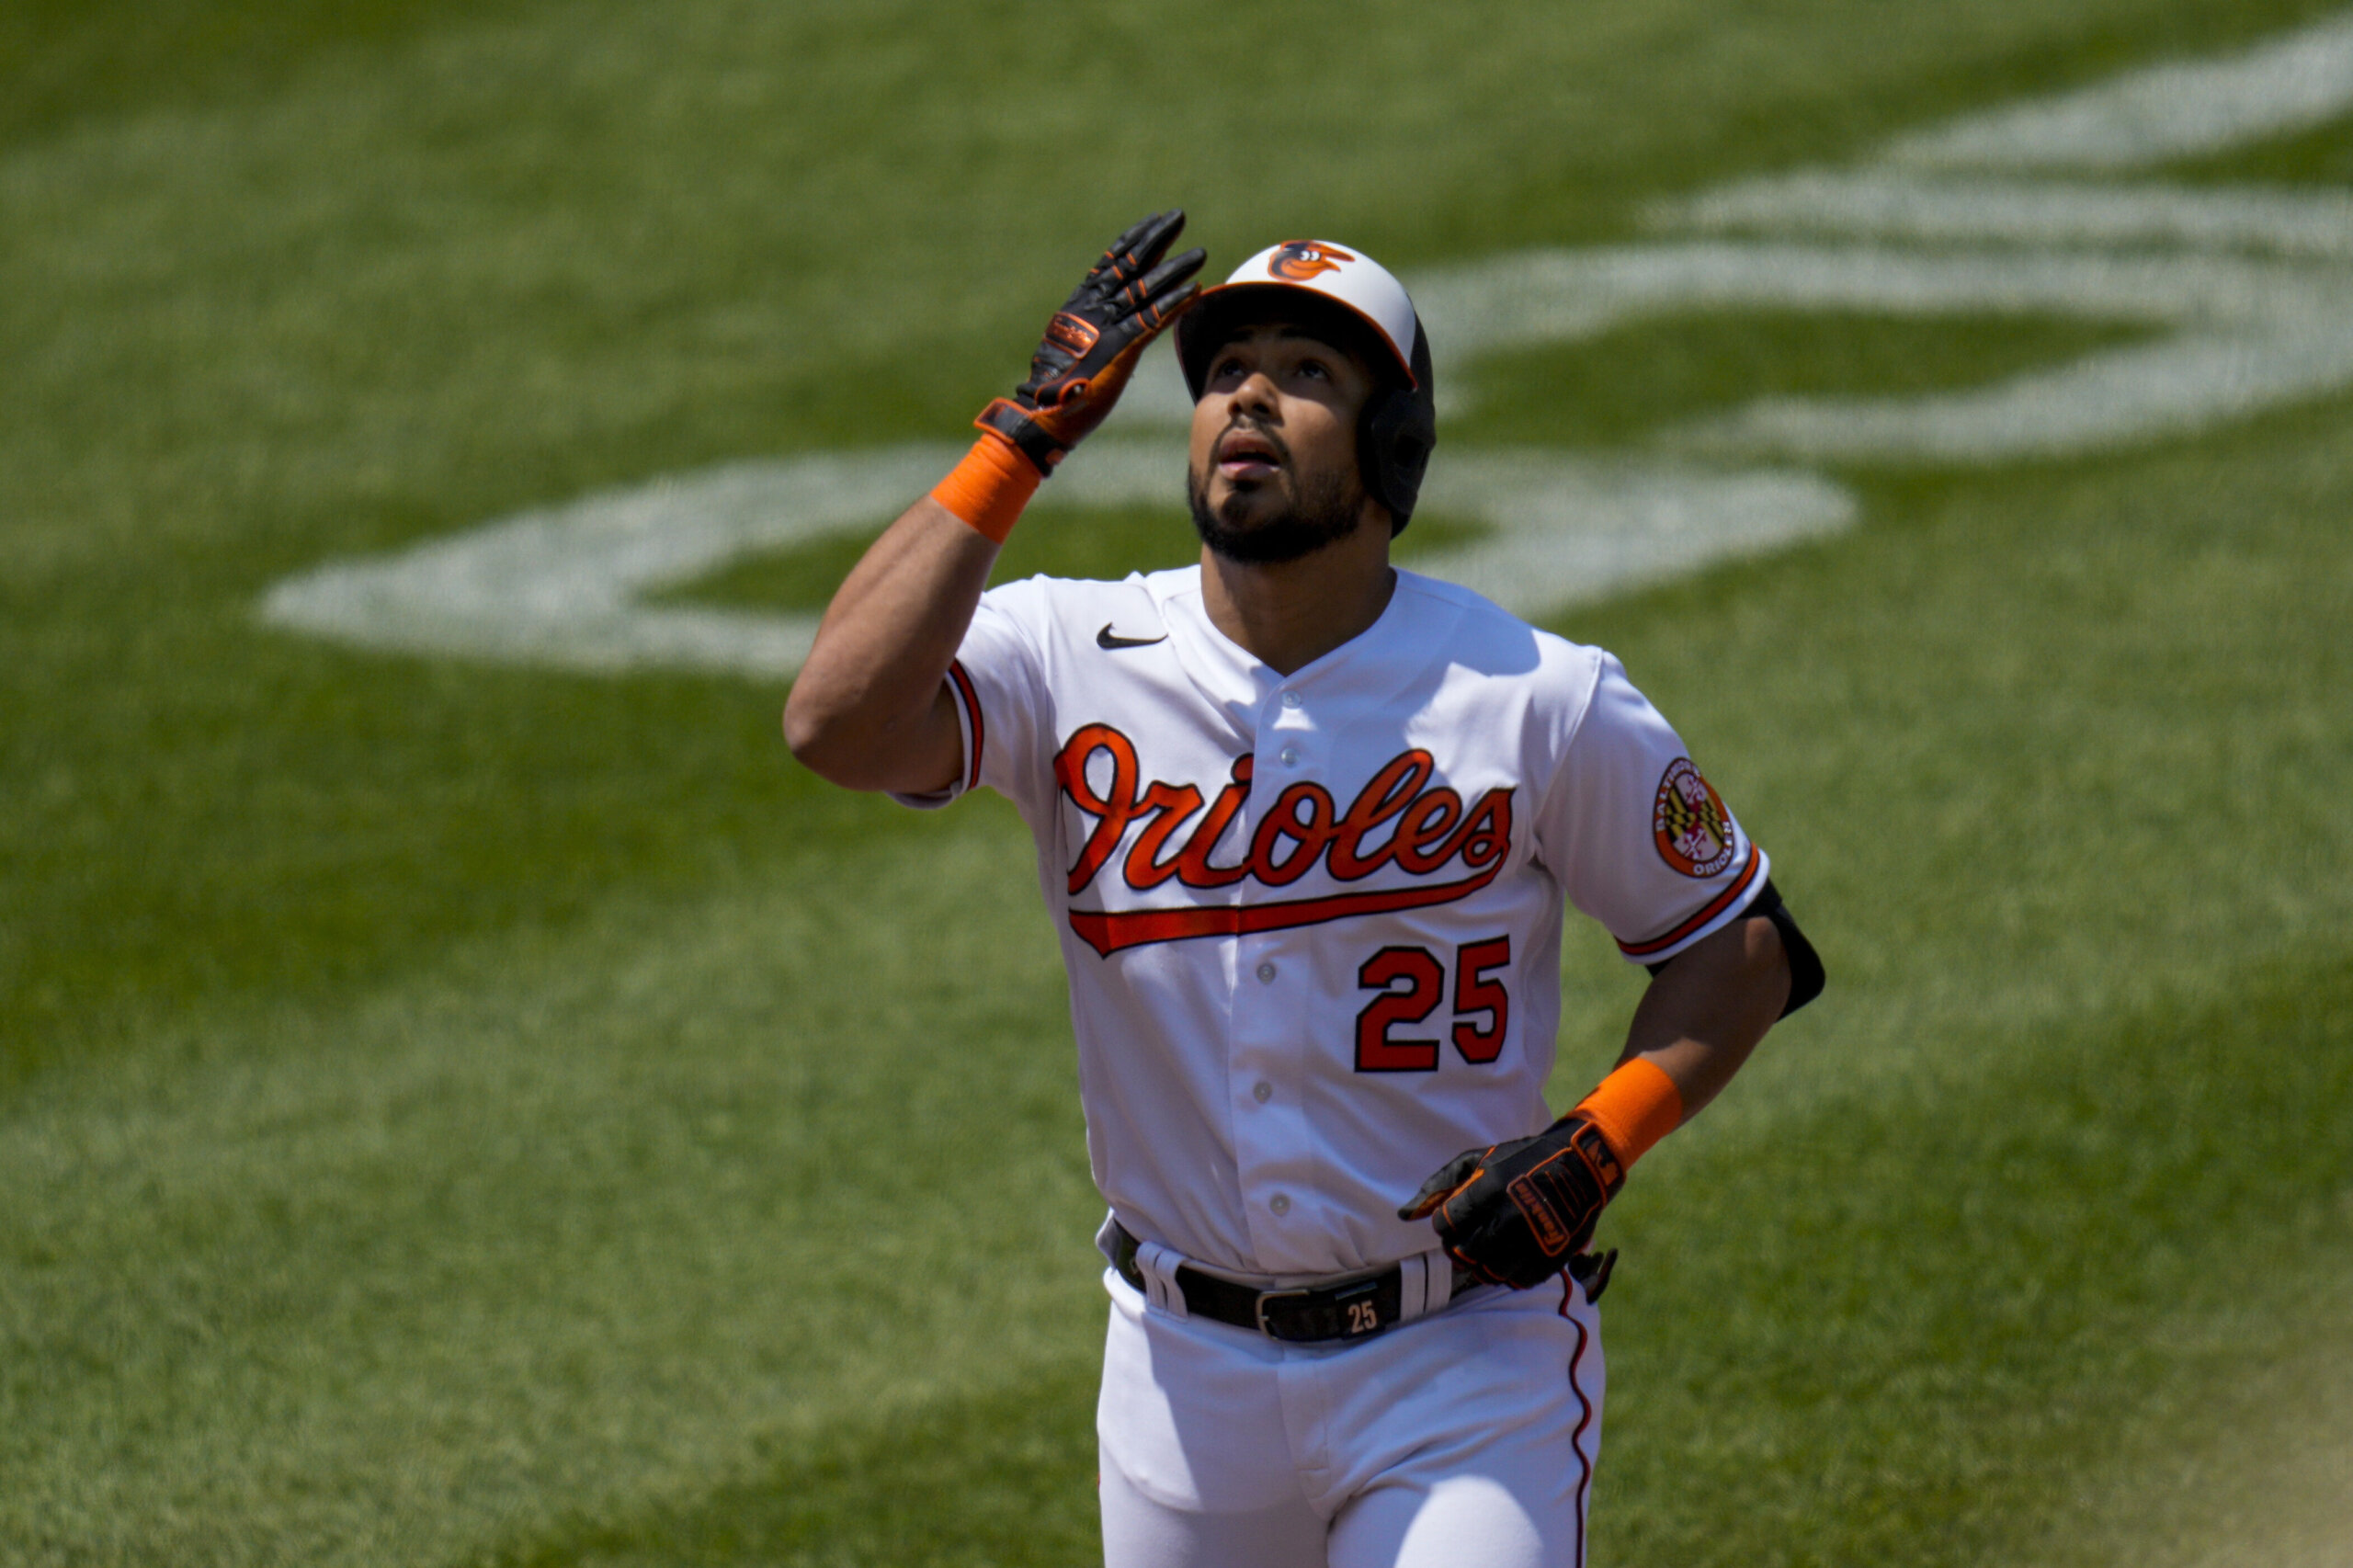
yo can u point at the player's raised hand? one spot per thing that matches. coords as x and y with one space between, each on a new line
1516 1213
1091 343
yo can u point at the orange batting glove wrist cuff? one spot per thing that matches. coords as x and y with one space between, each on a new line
988 489
1634 1107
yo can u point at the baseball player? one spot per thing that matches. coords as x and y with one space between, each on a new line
1306 825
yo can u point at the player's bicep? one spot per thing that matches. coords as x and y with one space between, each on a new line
938 765
932 762
984 727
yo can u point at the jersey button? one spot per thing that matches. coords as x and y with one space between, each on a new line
1266 974
1290 699
1262 1091
1279 1204
1290 756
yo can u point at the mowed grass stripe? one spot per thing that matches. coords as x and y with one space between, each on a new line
2028 747
500 1265
443 274
1940 1330
450 1112
75 62
1941 975
405 1277
1927 1324
2256 1463
569 1222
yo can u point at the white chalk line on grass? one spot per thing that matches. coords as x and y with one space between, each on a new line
2244 292
2175 388
2294 83
1546 297
2241 336
561 587
2299 224
1571 531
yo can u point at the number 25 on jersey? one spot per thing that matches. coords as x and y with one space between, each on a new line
1411 983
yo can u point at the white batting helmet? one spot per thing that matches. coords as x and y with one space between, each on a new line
1326 283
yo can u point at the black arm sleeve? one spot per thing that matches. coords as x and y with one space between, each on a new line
1806 978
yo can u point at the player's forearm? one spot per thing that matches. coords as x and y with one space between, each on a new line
1514 1213
870 709
1706 1011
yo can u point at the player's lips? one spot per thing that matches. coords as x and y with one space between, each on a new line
1245 454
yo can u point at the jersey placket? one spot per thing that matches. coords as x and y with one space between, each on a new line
1274 1004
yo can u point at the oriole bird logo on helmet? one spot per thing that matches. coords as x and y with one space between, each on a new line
1299 260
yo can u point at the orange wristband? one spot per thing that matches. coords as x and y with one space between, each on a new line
1634 1107
988 489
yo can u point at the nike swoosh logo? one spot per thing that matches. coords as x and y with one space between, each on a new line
1106 638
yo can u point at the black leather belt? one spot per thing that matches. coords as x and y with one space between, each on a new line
1302 1315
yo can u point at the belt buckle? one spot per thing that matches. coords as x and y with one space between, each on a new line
1295 1292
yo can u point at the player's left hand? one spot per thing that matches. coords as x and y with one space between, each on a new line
1091 343
1516 1213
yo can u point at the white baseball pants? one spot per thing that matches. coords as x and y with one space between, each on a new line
1468 1437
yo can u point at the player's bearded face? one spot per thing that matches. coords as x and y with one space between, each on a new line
1288 514
1273 472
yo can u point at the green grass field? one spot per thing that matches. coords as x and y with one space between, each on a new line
455 1113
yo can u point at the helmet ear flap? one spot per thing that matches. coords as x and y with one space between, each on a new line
1394 438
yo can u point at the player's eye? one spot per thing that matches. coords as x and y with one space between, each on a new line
1315 369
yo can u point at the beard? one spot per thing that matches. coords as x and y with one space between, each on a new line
1325 508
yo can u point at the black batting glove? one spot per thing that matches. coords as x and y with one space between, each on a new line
1516 1213
1093 343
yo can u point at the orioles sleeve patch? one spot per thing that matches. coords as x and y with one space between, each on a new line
1690 824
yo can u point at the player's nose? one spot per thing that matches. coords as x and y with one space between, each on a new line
1255 395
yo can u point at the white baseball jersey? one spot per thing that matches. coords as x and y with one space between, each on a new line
1313 921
